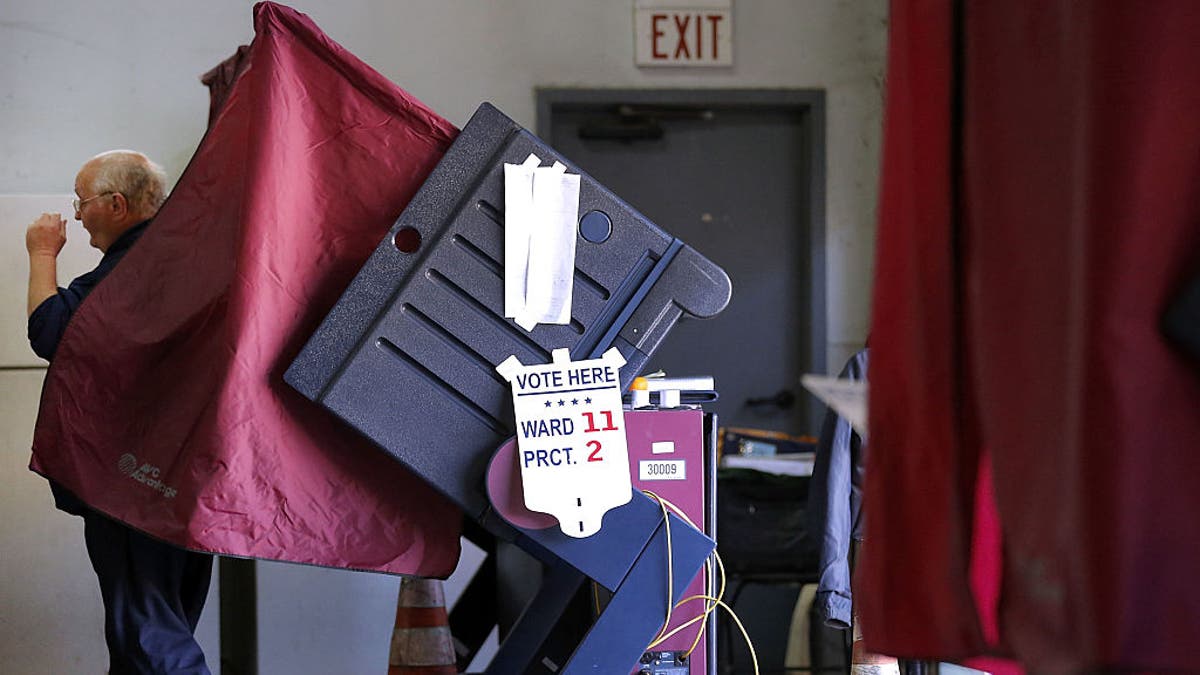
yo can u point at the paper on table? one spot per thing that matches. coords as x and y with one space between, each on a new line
848 398
539 242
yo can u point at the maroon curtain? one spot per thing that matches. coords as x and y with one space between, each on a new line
1040 205
165 405
913 595
220 79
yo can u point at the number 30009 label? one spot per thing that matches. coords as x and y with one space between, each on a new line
659 469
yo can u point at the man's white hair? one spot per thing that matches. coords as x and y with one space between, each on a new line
134 175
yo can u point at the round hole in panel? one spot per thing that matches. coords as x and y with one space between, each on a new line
407 240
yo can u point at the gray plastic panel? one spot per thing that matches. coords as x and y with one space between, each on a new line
407 355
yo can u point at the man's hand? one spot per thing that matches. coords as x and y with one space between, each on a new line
46 235
44 239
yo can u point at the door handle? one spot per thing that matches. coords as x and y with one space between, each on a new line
784 399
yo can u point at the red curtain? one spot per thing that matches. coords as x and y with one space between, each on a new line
913 594
165 405
1040 205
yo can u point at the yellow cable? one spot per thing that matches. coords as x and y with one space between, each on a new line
662 504
660 637
708 610
738 622
670 570
689 622
715 603
666 502
709 607
712 602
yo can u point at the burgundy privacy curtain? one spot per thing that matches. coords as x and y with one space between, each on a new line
165 405
1040 206
913 590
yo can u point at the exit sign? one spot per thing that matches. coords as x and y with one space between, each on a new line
683 32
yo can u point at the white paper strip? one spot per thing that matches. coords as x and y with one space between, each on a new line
540 214
551 274
518 224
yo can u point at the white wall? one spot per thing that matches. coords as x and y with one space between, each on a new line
78 77
51 616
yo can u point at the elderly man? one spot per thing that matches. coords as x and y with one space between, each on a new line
153 592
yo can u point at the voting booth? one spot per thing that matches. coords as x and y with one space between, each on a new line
426 355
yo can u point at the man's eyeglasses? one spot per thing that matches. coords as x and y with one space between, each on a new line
78 203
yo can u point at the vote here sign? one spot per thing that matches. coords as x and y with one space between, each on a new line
571 438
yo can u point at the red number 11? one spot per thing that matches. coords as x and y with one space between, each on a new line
591 420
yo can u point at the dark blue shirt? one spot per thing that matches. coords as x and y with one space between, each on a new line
49 321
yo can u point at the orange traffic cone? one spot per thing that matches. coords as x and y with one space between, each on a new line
421 641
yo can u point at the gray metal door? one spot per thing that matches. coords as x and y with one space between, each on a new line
739 176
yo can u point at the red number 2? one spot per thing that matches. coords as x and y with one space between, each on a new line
595 456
